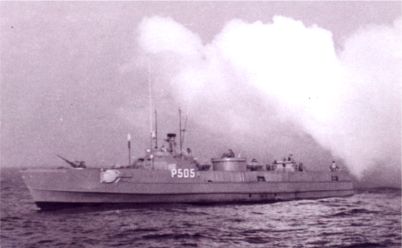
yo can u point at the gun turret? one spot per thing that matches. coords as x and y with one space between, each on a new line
76 164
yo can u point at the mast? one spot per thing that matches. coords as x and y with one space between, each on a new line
180 133
150 106
156 129
184 130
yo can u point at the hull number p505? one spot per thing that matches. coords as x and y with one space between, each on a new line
182 173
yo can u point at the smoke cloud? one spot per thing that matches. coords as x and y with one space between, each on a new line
283 86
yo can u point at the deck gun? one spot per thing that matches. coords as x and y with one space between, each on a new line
75 164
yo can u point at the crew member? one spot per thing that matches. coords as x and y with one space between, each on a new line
231 154
301 166
334 167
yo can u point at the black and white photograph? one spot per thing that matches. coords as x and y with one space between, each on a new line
200 124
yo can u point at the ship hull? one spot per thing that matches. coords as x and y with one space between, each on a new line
70 200
59 188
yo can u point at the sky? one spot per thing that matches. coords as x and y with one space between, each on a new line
316 79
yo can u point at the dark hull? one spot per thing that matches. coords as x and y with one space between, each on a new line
218 199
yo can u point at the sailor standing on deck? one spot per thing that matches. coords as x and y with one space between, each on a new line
334 167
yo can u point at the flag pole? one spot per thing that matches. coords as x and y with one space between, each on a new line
129 148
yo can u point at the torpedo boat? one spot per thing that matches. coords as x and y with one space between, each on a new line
167 174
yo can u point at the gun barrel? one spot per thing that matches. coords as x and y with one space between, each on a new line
67 161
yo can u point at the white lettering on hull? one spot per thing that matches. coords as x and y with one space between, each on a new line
182 173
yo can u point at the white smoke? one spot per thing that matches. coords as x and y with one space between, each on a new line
253 77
